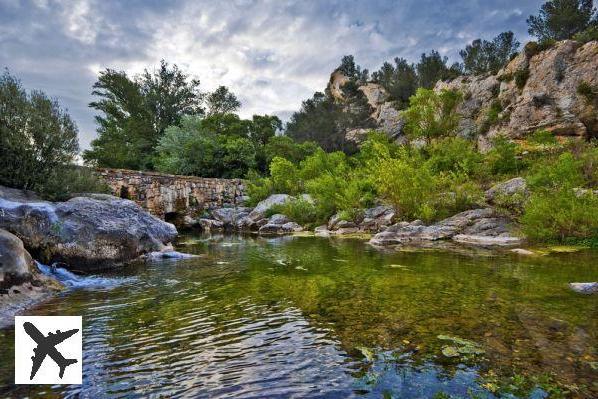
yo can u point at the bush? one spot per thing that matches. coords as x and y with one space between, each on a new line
564 173
69 181
521 76
588 91
285 177
502 158
301 211
543 137
38 139
454 154
560 215
431 115
286 147
410 186
587 35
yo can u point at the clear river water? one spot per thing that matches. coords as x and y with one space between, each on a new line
316 317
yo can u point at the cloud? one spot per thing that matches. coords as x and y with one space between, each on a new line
273 53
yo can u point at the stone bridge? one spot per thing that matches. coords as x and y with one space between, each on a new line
172 197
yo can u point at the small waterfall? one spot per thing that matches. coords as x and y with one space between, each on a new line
72 280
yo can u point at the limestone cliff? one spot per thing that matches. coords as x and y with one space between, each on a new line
538 89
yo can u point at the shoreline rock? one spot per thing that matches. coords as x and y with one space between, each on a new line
21 283
475 227
85 233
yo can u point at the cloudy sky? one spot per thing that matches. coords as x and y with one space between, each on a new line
271 53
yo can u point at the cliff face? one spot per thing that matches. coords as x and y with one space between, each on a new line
536 90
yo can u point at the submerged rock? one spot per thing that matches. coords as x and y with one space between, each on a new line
585 288
84 233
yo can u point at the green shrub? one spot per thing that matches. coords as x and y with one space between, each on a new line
521 76
431 114
492 116
286 147
543 137
454 154
66 182
324 190
285 177
560 215
301 211
533 48
38 140
562 173
587 90
587 35
410 186
502 158
258 188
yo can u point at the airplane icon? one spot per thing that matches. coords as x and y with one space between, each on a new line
47 346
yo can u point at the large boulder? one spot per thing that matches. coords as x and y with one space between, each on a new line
85 233
509 188
477 226
21 283
257 217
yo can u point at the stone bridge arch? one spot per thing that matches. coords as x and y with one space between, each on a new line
172 197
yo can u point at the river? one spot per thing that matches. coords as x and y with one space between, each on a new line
317 317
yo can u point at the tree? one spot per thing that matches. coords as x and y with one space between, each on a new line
431 115
222 101
352 70
432 68
135 113
561 19
400 81
194 149
483 56
38 139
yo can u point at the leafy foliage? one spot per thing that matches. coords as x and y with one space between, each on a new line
432 114
432 68
483 56
222 101
38 144
400 81
195 148
136 112
562 19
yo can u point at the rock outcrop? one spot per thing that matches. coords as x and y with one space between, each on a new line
85 233
536 90
384 113
477 226
21 283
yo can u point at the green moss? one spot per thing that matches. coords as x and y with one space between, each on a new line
521 77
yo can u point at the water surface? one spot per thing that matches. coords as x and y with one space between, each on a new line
313 317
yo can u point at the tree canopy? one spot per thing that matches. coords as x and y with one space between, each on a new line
136 111
483 56
561 19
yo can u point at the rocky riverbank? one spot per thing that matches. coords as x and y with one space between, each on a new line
84 234
485 226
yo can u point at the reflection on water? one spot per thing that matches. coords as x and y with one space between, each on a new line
310 317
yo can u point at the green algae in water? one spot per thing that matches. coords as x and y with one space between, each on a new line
279 316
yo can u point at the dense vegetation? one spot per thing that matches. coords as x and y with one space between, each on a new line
444 176
38 144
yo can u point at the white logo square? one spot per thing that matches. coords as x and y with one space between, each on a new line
48 349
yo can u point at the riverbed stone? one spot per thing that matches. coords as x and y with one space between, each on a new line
585 288
509 188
